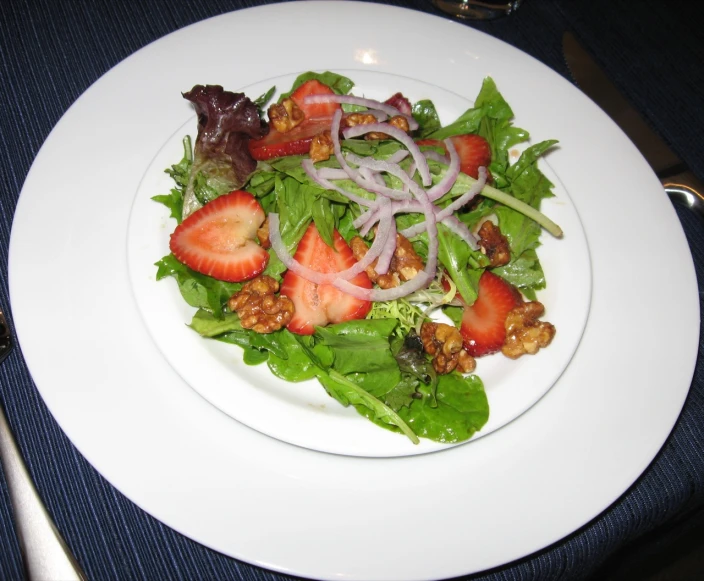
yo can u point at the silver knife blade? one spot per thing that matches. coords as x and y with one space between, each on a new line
680 183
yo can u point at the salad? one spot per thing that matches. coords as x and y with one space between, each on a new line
363 244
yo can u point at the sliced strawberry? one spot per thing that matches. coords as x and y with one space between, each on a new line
314 110
294 142
483 324
319 305
474 151
218 239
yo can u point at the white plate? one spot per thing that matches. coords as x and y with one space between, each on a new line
299 413
308 513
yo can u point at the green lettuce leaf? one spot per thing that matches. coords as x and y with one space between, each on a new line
198 290
462 409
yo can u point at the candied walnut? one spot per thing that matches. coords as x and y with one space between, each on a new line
263 234
444 343
259 308
405 260
354 119
321 148
494 244
405 263
398 121
525 334
285 116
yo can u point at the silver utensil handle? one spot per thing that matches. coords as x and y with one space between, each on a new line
46 555
686 189
687 197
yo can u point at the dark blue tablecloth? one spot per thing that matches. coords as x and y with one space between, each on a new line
51 52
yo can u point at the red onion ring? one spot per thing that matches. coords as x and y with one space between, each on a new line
450 177
465 198
443 214
312 173
419 281
391 168
398 135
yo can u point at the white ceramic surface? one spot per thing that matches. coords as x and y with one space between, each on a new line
309 513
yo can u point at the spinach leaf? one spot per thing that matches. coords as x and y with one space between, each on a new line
361 352
207 325
295 208
525 273
528 184
462 409
464 265
229 330
349 393
427 116
468 122
198 290
338 83
291 361
324 218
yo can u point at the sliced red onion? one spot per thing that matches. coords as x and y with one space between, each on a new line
337 146
391 168
352 173
389 202
411 169
398 135
366 228
455 225
418 282
372 176
465 198
442 214
380 115
450 177
384 261
375 183
312 173
361 102
362 219
435 156
421 280
398 157
332 173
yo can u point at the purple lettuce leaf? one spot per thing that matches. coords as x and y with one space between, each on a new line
221 161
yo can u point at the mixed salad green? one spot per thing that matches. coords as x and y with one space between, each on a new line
375 364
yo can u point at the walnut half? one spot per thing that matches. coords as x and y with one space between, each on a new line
321 147
259 308
444 343
405 263
285 116
525 334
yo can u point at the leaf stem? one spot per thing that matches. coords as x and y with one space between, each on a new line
523 208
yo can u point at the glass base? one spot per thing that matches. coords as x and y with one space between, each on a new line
477 9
